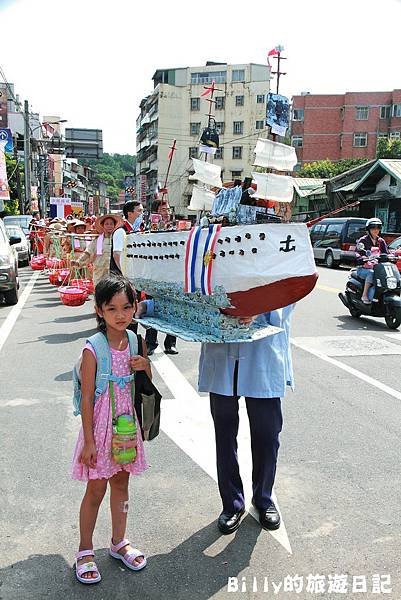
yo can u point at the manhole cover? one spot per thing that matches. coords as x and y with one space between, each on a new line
356 345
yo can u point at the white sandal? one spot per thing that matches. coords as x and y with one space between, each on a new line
87 567
129 556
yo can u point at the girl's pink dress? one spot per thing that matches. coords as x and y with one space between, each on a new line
102 427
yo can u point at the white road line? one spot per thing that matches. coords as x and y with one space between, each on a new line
14 313
336 363
187 421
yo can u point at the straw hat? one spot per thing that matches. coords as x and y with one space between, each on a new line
100 220
57 226
77 223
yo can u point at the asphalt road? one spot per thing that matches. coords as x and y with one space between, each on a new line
338 479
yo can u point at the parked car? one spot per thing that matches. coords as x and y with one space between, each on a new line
8 266
22 248
20 220
334 240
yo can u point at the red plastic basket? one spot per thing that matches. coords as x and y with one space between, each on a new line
54 277
72 296
55 263
38 263
63 275
86 284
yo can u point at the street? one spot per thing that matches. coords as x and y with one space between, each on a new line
337 486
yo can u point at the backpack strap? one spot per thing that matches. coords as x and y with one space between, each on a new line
133 342
99 343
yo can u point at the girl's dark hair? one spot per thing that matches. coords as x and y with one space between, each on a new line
107 288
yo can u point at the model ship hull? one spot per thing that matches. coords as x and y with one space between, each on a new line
259 267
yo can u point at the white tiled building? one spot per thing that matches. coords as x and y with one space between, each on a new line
176 110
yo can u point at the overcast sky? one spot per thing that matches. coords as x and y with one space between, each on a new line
91 61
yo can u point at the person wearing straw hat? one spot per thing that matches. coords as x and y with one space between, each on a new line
99 250
55 230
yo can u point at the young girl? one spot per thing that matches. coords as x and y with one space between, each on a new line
93 462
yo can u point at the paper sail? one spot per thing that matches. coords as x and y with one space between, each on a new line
207 173
201 199
278 188
274 155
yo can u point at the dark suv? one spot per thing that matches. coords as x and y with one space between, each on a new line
8 267
333 240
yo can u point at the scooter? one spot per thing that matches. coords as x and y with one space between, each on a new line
386 301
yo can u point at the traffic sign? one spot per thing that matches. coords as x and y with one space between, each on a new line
7 136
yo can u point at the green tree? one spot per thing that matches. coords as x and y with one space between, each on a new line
325 169
12 206
388 148
111 169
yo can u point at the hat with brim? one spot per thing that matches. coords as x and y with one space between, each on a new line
78 223
100 220
56 226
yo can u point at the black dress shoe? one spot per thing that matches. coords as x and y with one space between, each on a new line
269 517
227 522
171 350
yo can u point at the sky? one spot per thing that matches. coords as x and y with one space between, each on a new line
91 61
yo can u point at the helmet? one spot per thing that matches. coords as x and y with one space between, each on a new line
370 223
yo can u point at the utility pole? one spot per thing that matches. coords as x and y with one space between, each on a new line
27 157
18 178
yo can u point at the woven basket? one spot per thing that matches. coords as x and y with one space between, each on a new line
72 296
63 275
38 263
86 284
55 263
54 277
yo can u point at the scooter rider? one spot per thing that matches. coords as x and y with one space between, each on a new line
364 248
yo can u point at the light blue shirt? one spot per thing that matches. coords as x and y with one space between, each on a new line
264 366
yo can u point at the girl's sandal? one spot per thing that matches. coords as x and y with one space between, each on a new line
129 556
88 567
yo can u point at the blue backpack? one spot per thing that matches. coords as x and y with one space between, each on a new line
103 371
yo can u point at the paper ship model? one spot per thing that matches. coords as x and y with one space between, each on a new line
204 279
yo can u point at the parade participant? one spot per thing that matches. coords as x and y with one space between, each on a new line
99 250
259 371
133 215
369 244
55 229
93 460
37 236
77 228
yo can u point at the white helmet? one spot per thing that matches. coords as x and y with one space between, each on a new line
374 222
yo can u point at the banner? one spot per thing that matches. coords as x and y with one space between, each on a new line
4 189
7 137
90 205
60 207
77 209
278 113
3 108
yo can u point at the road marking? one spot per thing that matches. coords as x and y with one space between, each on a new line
186 420
336 363
14 313
327 288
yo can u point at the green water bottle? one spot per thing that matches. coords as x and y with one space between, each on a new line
125 437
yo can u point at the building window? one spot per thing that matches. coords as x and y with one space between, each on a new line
260 124
395 135
239 100
220 102
297 141
209 77
195 103
237 151
193 152
396 110
298 114
194 128
238 75
360 140
382 134
236 174
362 113
260 99
385 112
220 127
238 127
219 153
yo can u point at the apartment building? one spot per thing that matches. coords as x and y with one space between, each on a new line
177 110
340 126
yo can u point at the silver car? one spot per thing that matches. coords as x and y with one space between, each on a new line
8 267
22 248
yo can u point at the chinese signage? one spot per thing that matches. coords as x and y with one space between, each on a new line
4 189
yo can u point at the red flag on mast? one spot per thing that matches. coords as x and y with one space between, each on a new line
272 52
209 90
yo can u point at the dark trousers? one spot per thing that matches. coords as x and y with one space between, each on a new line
151 339
265 420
